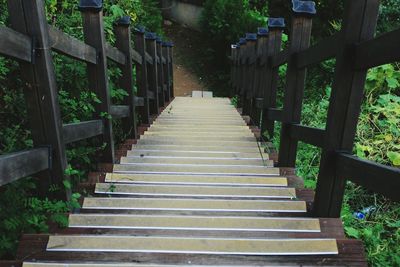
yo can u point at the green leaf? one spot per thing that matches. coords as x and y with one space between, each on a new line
352 232
394 157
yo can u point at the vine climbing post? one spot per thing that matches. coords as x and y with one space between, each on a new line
141 75
295 78
93 30
152 70
123 43
359 24
41 95
271 74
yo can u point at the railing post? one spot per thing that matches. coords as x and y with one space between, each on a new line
141 75
251 41
171 67
271 74
166 72
347 93
259 77
93 30
233 69
242 71
28 17
295 79
123 42
161 92
152 70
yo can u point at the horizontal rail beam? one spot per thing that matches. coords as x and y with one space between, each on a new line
378 51
371 175
139 101
150 94
82 130
70 46
15 45
21 164
115 54
136 57
274 114
322 51
119 111
280 59
309 135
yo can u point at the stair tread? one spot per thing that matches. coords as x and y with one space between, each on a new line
195 204
204 191
192 154
219 223
190 179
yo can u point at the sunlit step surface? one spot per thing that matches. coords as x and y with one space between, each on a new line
221 148
218 223
195 204
196 154
199 161
196 180
195 191
195 169
198 142
193 245
170 136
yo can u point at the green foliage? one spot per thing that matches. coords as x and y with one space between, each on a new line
31 213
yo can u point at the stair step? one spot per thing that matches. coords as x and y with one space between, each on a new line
193 245
200 161
175 123
112 264
196 180
204 223
215 128
168 136
195 169
198 142
195 205
199 147
195 191
196 154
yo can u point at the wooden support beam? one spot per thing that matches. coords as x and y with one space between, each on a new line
15 45
123 42
347 93
120 111
373 176
281 58
295 79
274 114
69 46
41 94
93 29
151 50
82 130
166 72
136 57
309 135
141 75
276 26
171 68
160 72
115 54
22 164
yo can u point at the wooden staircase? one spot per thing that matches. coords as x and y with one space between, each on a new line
196 190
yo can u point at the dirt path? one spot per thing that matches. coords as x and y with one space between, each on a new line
185 81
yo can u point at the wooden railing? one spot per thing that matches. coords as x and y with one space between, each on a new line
255 63
30 41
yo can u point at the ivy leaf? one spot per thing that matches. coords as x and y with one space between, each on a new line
350 231
394 157
392 82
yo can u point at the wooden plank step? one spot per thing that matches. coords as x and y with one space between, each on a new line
196 180
200 223
206 142
195 148
196 154
176 136
199 132
209 246
201 161
91 264
171 117
212 128
212 205
195 191
196 169
176 123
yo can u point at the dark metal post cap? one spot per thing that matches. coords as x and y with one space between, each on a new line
304 7
242 41
123 21
90 5
262 31
251 37
276 23
140 29
159 40
150 36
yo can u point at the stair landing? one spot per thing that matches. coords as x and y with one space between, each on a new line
197 189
